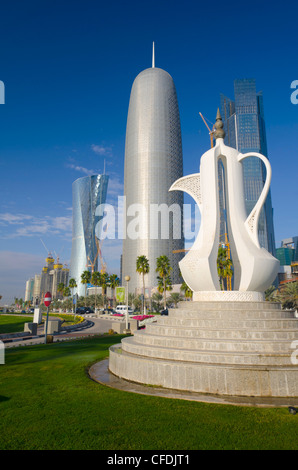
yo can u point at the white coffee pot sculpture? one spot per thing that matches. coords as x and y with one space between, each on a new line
254 267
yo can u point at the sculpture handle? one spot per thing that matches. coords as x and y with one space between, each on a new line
252 220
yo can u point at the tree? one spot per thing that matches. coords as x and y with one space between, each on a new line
137 302
66 292
164 269
271 294
224 266
289 295
156 301
85 279
96 281
175 297
142 267
187 290
114 282
104 283
60 288
72 284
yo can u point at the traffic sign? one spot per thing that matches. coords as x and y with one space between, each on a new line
48 299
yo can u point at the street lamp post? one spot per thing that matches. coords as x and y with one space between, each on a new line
127 279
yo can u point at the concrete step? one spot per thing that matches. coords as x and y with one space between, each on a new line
218 345
222 333
204 356
231 314
258 324
221 306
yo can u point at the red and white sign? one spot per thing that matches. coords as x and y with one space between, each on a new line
48 299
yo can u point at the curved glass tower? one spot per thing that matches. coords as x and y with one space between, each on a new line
87 193
153 161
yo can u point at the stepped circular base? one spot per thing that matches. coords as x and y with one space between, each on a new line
239 348
99 372
228 296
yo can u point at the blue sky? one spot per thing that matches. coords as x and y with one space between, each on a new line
68 68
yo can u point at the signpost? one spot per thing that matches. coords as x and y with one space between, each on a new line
47 302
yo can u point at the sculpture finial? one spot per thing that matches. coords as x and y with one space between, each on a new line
219 131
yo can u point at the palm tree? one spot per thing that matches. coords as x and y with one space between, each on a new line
114 282
66 292
289 295
271 294
164 269
104 283
72 284
187 290
85 279
60 287
156 299
96 281
224 266
175 297
142 267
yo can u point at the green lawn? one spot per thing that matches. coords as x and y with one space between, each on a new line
13 323
47 401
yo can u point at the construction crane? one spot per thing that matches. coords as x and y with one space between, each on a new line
98 255
47 250
211 132
102 262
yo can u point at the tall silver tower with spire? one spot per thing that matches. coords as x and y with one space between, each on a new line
153 161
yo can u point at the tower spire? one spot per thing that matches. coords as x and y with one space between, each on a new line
153 56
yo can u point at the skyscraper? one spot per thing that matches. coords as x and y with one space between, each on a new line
87 194
244 125
153 161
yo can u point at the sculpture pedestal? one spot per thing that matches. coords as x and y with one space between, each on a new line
228 296
232 348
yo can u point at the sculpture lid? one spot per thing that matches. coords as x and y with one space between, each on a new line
219 131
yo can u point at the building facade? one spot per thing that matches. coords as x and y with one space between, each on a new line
287 254
88 193
153 161
53 274
244 125
29 292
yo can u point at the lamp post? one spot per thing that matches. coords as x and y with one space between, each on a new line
127 279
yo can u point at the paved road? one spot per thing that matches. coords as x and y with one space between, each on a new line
96 326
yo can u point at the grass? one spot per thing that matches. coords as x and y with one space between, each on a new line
13 324
47 401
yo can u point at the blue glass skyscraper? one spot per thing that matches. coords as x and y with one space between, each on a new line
244 125
87 194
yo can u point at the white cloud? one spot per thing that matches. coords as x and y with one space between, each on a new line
14 218
101 149
29 226
82 169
